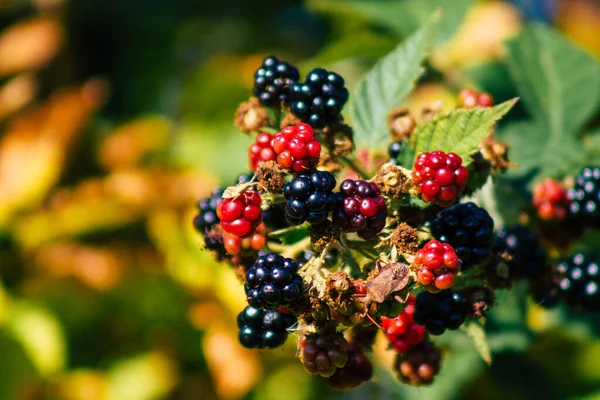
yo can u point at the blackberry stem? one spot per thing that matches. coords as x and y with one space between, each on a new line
352 164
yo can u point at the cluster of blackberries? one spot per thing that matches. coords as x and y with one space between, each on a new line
440 311
319 100
357 370
263 328
579 281
273 281
467 228
527 257
310 197
272 81
360 208
584 197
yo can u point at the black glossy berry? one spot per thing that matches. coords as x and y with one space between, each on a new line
578 280
263 328
309 197
320 99
528 258
467 228
360 208
584 197
440 311
272 282
394 150
272 81
207 212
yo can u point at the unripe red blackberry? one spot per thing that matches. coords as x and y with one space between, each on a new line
297 148
261 150
241 215
550 200
419 365
440 178
469 98
401 331
437 264
360 208
235 245
357 370
272 81
323 354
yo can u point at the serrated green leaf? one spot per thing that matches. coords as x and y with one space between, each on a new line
291 235
558 81
459 131
386 86
477 335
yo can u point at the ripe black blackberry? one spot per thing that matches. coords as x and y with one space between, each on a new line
274 217
394 150
584 197
467 228
320 99
440 311
528 257
272 282
360 208
273 80
578 281
309 197
207 212
263 329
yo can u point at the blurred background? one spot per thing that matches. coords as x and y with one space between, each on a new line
117 116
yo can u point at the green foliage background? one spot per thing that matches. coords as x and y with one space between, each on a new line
106 293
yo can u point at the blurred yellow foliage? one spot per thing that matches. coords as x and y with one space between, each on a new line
29 45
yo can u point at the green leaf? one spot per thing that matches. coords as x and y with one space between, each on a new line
402 17
558 82
291 235
477 334
459 131
386 86
538 154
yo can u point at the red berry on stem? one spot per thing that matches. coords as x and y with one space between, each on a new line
439 177
297 148
437 263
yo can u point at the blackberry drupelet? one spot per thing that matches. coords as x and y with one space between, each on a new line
265 329
273 281
272 81
528 257
360 208
467 228
579 281
584 197
309 197
394 150
440 311
320 99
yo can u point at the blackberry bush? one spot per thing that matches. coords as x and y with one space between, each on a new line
468 229
319 100
273 80
309 197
